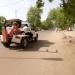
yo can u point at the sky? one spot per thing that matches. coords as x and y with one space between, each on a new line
21 7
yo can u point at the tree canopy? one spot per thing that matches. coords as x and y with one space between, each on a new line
61 17
2 18
68 7
39 3
34 16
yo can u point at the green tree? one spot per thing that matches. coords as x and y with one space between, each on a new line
50 0
67 15
57 17
44 24
34 16
49 23
68 7
52 16
60 20
2 18
39 3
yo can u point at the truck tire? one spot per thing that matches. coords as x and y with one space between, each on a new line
36 38
24 42
7 44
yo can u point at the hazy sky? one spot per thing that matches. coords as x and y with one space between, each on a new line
22 7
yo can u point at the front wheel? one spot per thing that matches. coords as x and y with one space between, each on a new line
24 42
36 38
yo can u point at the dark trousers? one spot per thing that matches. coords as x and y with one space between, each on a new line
30 34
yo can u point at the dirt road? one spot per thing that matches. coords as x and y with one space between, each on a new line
51 55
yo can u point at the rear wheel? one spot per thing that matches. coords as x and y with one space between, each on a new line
7 44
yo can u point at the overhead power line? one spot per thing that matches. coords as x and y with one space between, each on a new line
11 3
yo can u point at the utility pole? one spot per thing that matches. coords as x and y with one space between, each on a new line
15 13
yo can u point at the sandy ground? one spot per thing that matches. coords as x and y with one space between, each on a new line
65 42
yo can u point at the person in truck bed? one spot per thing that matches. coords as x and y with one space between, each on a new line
14 27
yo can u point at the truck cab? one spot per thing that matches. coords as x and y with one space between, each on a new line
32 29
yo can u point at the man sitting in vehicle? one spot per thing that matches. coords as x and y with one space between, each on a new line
27 31
25 28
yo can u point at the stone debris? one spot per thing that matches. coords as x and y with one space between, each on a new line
47 50
70 41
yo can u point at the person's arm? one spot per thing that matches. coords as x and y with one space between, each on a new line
10 32
19 31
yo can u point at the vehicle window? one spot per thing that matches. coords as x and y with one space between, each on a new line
22 25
